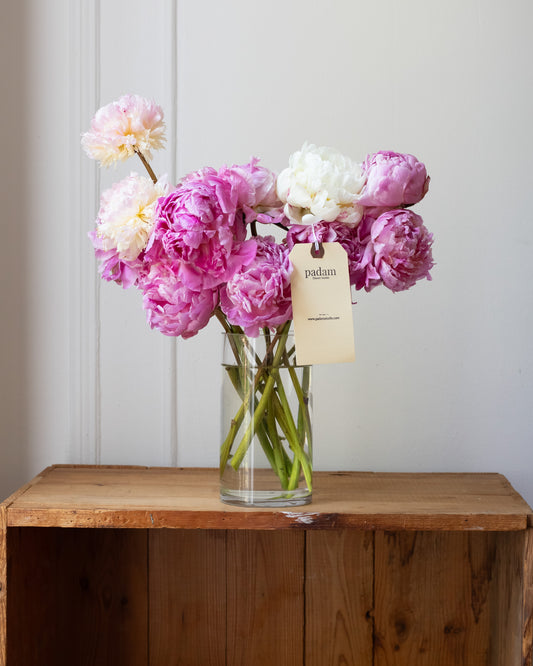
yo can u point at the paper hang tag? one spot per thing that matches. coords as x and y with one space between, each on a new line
321 304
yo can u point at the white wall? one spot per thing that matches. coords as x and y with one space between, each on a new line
443 379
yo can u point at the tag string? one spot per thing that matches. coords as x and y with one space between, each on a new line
317 250
317 244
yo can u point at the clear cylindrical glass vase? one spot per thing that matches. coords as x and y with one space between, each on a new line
266 450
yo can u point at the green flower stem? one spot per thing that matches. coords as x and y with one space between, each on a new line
263 402
300 459
304 420
266 446
146 165
254 385
295 475
284 416
222 319
279 452
233 373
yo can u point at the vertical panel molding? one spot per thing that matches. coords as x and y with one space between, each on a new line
84 186
169 410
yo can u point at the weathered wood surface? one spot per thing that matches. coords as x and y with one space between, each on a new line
77 597
324 585
339 598
187 581
265 610
79 496
3 585
444 599
527 604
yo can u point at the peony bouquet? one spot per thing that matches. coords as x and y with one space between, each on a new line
194 251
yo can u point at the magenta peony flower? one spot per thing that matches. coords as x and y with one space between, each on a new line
398 252
199 227
173 308
393 180
255 185
260 294
256 191
118 129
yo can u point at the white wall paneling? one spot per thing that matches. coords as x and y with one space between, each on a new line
136 367
443 378
84 302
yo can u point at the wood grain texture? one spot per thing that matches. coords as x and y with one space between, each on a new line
77 597
187 579
448 598
506 599
527 604
3 585
339 598
265 579
284 591
85 496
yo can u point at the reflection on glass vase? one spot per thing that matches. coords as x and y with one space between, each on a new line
266 451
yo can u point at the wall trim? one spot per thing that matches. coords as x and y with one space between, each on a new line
84 188
170 379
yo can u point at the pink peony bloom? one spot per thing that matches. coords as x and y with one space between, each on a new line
173 308
393 180
199 227
260 294
398 252
255 185
256 191
122 127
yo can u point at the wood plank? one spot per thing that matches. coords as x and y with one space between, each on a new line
507 599
77 597
527 612
339 598
188 498
265 577
24 488
3 585
187 580
448 598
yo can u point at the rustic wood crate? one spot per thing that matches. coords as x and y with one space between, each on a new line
138 566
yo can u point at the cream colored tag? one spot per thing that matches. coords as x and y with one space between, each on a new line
321 305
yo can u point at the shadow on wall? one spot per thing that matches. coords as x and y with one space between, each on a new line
14 262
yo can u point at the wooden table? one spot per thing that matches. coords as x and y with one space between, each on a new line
144 566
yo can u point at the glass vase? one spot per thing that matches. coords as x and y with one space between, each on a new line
266 451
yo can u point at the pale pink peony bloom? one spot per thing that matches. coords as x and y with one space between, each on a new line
199 227
123 226
126 216
259 295
120 128
393 180
398 252
173 308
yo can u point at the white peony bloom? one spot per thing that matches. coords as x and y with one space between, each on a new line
126 215
321 185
